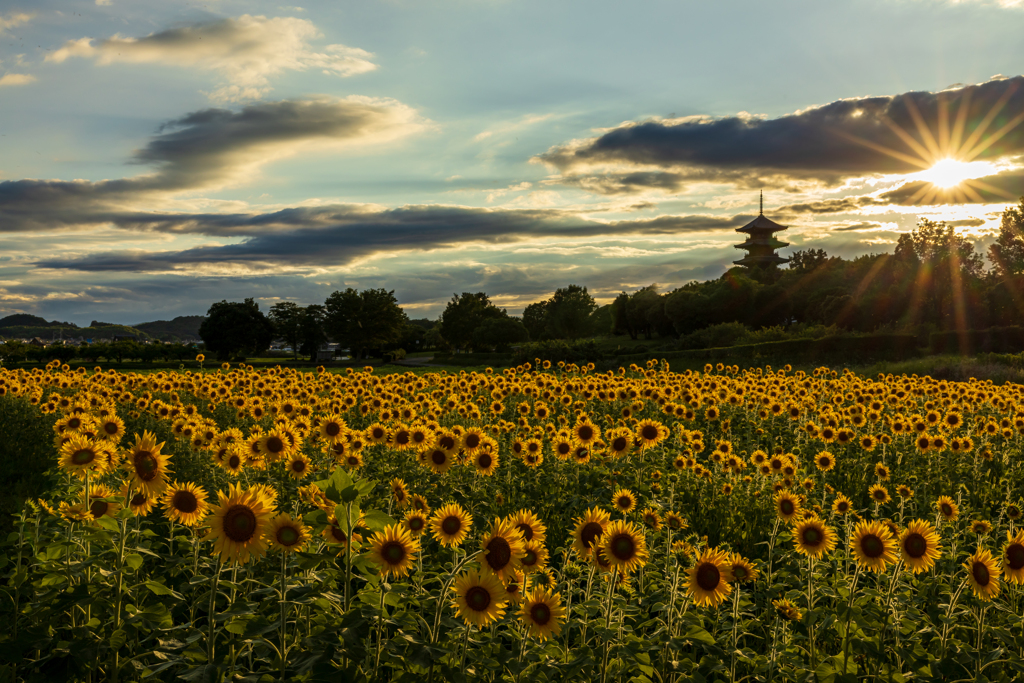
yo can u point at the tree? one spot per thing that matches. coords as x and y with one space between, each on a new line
1008 251
464 314
568 312
236 329
312 334
366 320
535 319
287 319
807 260
499 334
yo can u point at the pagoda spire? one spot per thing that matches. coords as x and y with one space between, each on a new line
761 242
761 212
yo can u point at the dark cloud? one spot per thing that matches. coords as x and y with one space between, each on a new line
337 235
966 223
203 150
998 188
857 226
825 206
846 138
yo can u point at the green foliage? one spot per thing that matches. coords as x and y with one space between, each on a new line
463 315
233 329
364 321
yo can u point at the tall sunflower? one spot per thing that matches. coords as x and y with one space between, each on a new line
709 578
842 505
624 501
1013 558
873 545
535 557
485 462
139 503
589 529
480 598
416 522
298 465
585 432
813 538
438 459
529 526
185 503
983 574
919 546
82 456
650 433
503 548
624 546
239 523
743 571
542 613
451 524
947 508
275 445
286 534
879 494
787 506
393 550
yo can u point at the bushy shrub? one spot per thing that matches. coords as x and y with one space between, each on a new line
584 351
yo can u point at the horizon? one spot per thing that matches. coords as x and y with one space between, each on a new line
158 159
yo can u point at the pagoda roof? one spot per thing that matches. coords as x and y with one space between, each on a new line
761 223
750 260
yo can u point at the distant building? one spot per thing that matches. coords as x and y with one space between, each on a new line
761 242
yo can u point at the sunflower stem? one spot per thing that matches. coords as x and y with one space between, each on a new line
211 626
284 630
849 614
380 624
608 624
465 646
810 616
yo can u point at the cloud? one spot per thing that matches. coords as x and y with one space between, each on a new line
246 52
333 236
1002 187
207 149
16 79
866 136
13 20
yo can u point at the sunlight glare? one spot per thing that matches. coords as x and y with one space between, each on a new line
950 172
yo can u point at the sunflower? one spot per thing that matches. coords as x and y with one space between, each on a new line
333 534
485 462
275 445
1013 558
332 429
589 529
515 586
620 442
239 524
624 501
983 574
741 569
298 465
535 557
543 613
585 432
416 522
919 546
674 521
80 456
825 461
139 503
393 550
879 494
111 428
787 506
651 518
980 526
873 545
529 526
881 471
503 548
1013 512
400 493
98 506
451 524
813 538
185 503
904 492
947 508
286 534
650 433
624 546
480 598
376 433
709 578
438 459
787 610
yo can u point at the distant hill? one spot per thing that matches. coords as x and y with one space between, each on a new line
181 327
61 331
26 320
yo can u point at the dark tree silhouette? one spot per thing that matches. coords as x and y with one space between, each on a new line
236 329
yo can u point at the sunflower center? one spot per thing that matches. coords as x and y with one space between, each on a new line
353 461
275 444
623 547
287 536
472 440
590 532
740 572
708 576
110 427
811 536
438 457
872 546
332 429
529 559
979 570
914 545
414 523
83 456
138 499
499 553
786 507
478 598
239 523
338 534
451 525
585 433
649 432
1015 556
298 466
526 530
185 501
393 552
624 502
947 510
484 461
234 462
619 443
540 614
98 508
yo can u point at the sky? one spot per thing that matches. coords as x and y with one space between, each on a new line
158 157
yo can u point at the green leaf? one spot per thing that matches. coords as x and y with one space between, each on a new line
375 520
133 561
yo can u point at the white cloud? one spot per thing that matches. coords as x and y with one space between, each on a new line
246 52
13 20
104 3
16 79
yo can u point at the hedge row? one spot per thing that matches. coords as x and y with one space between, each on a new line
970 342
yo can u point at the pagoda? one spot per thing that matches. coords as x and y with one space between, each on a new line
761 242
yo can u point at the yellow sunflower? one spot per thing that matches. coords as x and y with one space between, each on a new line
709 578
879 494
624 546
825 461
393 550
239 524
787 506
485 462
651 518
813 537
529 526
983 574
332 429
1013 558
947 508
742 569
400 493
82 456
139 503
298 465
275 445
480 598
589 529
535 557
503 548
543 613
98 506
286 534
439 459
185 503
787 610
620 441
416 522
650 433
585 432
147 466
451 524
873 545
919 546
624 501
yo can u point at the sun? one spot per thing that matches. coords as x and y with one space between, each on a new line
949 172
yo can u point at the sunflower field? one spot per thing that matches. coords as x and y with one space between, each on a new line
538 523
